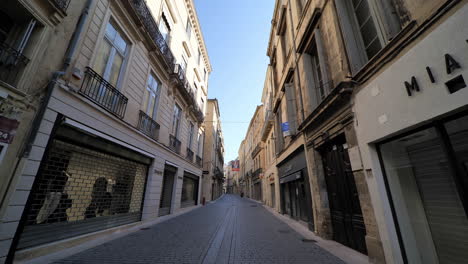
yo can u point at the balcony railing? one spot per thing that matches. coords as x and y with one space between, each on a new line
61 4
101 92
174 144
256 173
256 150
199 161
189 156
148 126
151 27
187 92
12 64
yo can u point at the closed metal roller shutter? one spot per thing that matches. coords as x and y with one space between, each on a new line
168 185
79 190
189 190
443 207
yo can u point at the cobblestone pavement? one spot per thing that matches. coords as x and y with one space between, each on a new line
230 230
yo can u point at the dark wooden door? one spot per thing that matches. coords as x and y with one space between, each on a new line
346 214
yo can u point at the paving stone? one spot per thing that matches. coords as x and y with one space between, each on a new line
251 235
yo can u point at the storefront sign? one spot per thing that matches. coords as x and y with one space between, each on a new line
453 85
7 129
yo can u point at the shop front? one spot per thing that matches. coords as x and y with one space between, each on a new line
294 188
426 172
189 190
413 136
84 184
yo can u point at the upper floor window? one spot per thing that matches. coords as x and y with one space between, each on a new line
176 120
196 87
164 28
19 33
317 72
184 64
190 136
204 74
151 99
188 28
367 27
111 55
200 144
300 6
202 106
198 57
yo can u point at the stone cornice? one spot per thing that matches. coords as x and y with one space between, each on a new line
196 27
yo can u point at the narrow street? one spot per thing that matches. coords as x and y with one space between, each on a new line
230 230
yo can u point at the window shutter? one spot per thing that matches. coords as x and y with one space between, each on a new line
23 40
347 23
291 107
322 60
390 19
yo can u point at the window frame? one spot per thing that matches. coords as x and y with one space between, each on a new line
152 93
190 135
188 28
113 51
386 24
176 120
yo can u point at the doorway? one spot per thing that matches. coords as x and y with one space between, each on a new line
345 209
166 194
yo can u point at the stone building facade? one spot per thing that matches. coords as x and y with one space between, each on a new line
366 104
213 165
118 138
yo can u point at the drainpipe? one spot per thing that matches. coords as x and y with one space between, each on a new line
56 75
71 49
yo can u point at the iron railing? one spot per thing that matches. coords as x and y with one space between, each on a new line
12 64
189 156
102 93
174 144
256 173
148 126
199 161
61 4
151 27
187 92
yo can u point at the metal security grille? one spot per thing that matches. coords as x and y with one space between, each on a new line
80 190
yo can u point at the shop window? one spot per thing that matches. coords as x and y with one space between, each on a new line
426 173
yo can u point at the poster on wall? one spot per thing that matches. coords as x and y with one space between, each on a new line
235 165
285 129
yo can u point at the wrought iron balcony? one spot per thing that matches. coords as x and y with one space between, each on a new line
102 93
187 92
256 173
189 156
12 64
62 5
199 161
256 150
148 126
174 144
145 18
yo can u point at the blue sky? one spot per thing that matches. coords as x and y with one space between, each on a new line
236 34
